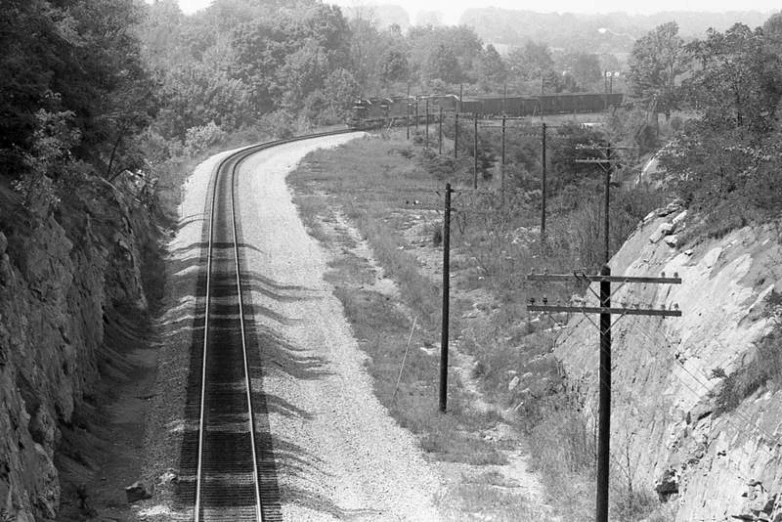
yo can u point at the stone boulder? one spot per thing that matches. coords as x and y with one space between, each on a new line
667 485
138 491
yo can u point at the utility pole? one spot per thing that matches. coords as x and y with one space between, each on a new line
416 114
475 151
606 311
408 110
446 299
543 188
456 137
503 140
440 141
607 163
607 207
426 141
502 166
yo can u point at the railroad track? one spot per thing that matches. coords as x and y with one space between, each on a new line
227 466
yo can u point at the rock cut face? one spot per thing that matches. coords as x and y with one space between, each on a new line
672 376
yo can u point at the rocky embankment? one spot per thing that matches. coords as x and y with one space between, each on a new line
676 431
70 283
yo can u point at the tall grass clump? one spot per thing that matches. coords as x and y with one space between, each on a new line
763 369
567 466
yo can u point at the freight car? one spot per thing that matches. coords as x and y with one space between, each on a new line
375 112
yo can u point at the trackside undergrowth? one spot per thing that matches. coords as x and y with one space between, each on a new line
390 191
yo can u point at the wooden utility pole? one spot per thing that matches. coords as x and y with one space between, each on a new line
607 207
456 137
606 311
446 299
543 187
408 110
502 166
475 151
440 142
503 140
426 141
607 164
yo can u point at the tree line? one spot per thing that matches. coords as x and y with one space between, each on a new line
98 87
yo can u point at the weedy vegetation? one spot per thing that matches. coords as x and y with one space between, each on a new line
385 188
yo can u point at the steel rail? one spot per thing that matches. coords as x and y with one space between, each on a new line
246 362
233 161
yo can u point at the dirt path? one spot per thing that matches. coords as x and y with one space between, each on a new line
340 456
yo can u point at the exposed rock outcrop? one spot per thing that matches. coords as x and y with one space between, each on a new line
61 280
669 427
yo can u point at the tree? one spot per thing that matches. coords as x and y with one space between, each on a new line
491 69
367 48
657 59
80 58
532 61
584 67
445 53
31 40
341 90
284 61
443 65
394 67
726 163
737 80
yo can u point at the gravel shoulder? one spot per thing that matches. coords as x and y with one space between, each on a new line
339 455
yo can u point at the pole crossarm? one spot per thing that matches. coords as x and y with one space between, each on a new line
675 280
603 310
601 161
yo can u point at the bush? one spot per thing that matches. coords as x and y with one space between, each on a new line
198 139
441 167
633 505
764 369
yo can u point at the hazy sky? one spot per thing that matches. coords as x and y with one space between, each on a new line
452 9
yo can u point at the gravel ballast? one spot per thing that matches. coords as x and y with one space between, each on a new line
339 455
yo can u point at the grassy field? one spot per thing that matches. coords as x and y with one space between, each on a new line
387 192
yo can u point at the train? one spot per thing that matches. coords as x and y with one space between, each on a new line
375 112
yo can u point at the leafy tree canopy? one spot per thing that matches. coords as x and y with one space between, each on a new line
658 58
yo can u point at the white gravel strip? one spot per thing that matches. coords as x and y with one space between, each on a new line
339 454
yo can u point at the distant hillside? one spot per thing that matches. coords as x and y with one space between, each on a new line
569 30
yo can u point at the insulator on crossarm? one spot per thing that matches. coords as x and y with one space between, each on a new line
662 274
531 301
545 300
676 275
